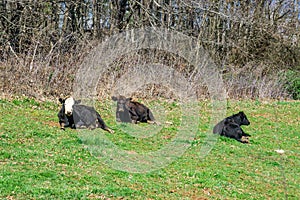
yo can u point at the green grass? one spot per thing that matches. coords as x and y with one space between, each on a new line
40 161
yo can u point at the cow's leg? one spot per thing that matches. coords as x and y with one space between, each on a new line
235 134
61 118
62 125
133 116
245 134
134 121
80 124
153 122
238 137
103 125
150 118
241 138
109 130
244 140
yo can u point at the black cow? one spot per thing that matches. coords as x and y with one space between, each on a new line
74 115
231 127
131 111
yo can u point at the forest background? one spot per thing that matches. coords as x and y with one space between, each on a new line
254 43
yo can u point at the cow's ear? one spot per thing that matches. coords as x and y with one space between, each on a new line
61 100
114 98
242 114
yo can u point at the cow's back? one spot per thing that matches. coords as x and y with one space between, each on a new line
218 127
84 116
141 111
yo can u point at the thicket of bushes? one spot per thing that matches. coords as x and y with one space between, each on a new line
255 44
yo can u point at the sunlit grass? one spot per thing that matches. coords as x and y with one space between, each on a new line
40 161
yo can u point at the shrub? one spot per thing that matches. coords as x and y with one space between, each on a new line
292 83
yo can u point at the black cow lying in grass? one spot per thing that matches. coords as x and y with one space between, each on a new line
231 127
131 111
77 116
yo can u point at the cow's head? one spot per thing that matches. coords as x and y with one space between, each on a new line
68 105
244 119
123 108
122 103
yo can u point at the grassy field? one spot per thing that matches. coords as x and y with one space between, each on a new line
40 161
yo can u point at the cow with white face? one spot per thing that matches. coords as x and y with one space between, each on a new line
74 115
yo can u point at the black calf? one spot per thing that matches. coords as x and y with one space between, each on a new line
131 111
231 127
233 130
